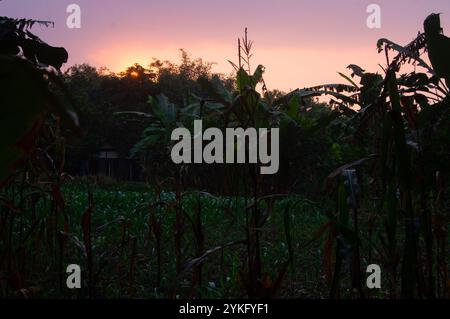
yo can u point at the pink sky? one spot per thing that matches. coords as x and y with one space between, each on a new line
301 43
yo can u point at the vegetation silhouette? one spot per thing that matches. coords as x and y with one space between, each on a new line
362 179
438 47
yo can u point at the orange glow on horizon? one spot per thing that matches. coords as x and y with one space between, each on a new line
286 68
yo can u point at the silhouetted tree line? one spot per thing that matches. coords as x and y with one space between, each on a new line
101 94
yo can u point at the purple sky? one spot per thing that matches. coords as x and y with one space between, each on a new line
301 43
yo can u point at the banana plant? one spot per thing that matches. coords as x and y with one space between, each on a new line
26 100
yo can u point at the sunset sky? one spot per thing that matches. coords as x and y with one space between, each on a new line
301 43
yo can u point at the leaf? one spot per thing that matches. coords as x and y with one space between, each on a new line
399 132
9 204
243 80
319 233
293 107
24 113
86 223
74 239
287 232
197 261
405 52
338 171
348 79
275 287
329 89
389 206
216 89
140 114
344 215
58 197
29 292
258 74
328 256
356 70
103 227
